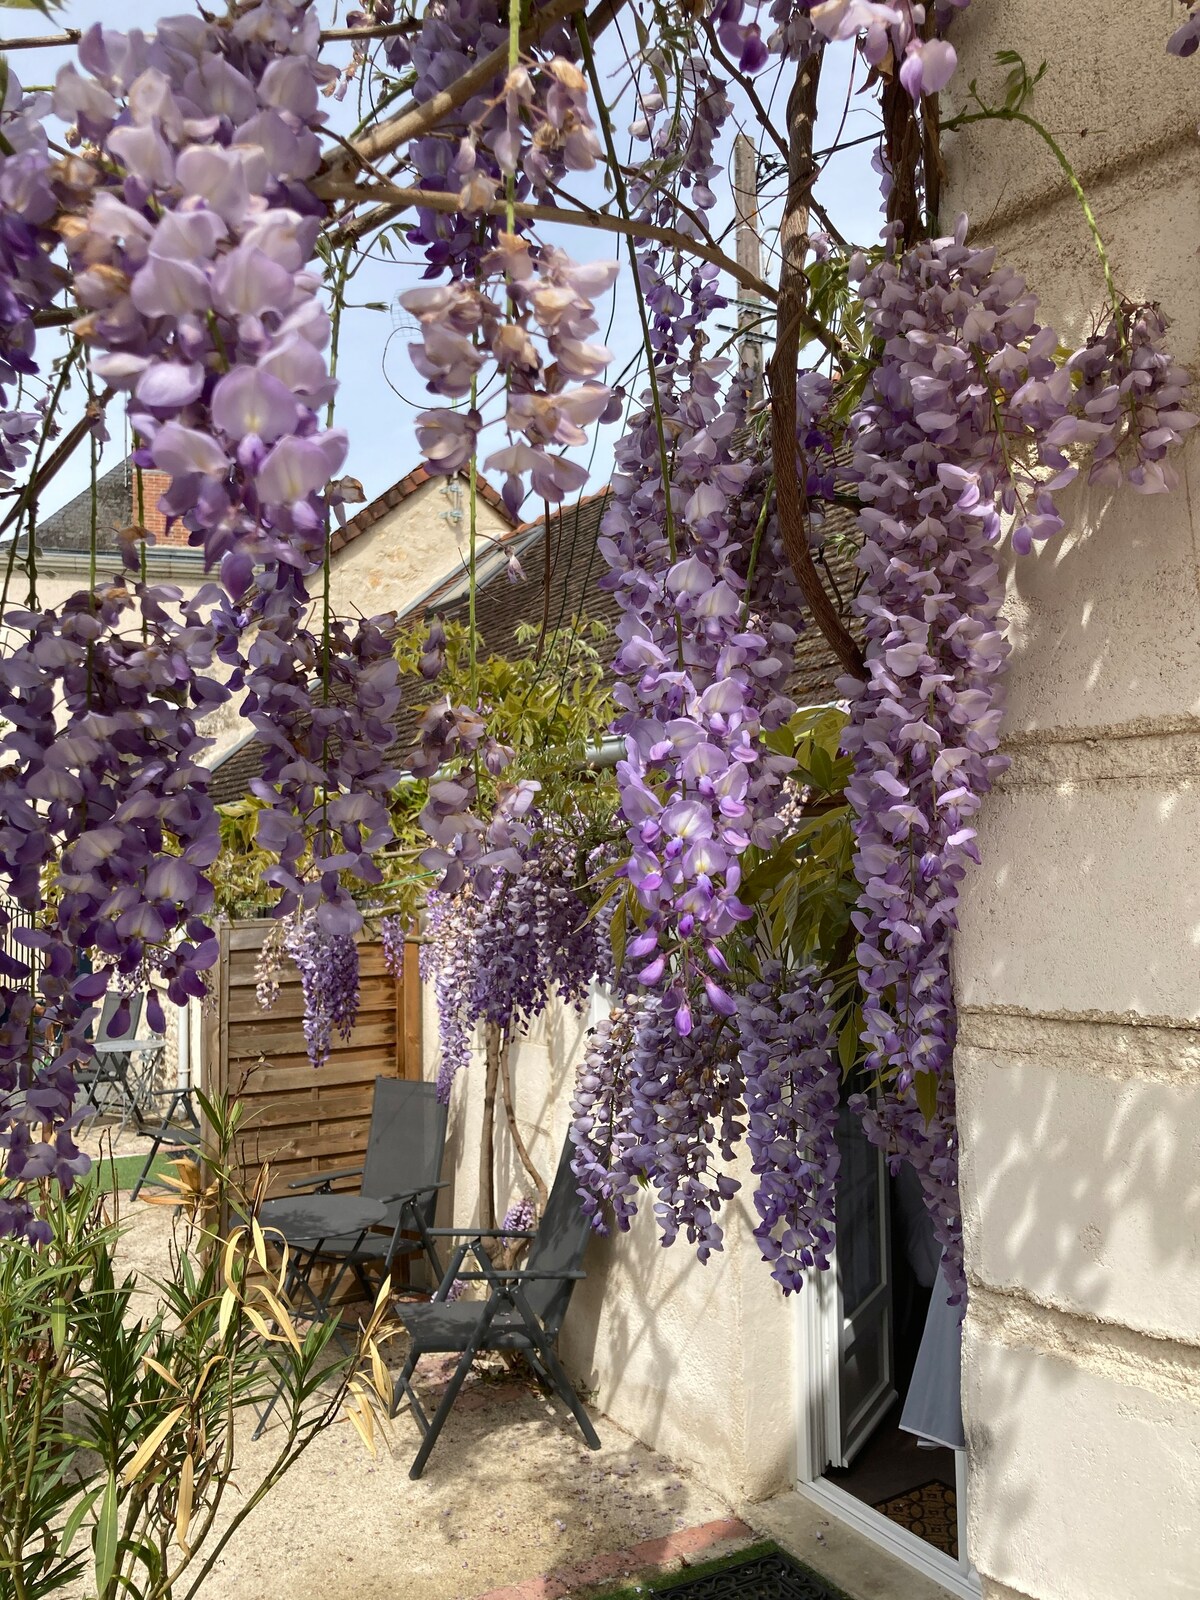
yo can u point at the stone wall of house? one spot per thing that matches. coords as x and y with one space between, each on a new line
1078 965
696 1361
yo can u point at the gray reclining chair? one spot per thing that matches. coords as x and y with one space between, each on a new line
524 1309
402 1170
399 1182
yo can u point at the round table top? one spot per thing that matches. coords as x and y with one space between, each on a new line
321 1216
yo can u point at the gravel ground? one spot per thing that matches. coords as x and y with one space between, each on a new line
510 1491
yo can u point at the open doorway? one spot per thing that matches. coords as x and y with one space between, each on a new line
880 1364
888 1272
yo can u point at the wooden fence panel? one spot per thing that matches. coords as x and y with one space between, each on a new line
300 1119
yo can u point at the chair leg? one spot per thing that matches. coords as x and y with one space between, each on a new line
443 1411
456 1382
145 1172
403 1386
558 1376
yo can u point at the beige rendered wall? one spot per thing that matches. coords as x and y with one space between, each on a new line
1078 965
696 1361
411 547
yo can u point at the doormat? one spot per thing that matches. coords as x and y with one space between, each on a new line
931 1512
764 1577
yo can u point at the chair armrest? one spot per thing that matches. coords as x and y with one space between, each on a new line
315 1179
520 1275
479 1233
411 1194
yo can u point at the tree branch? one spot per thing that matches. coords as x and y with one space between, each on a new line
45 41
413 121
746 84
442 200
378 30
58 457
510 1114
783 368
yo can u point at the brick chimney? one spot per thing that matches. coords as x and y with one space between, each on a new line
154 486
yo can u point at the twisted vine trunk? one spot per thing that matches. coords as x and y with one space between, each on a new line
790 493
492 1043
498 1077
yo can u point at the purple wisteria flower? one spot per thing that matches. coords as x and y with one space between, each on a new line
499 954
1185 41
328 967
968 418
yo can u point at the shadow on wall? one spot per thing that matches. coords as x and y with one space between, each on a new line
650 1336
1078 975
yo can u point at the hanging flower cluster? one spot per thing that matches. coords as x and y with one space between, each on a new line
531 124
791 1089
198 301
328 967
1131 389
188 224
598 1116
28 279
503 292
446 963
392 936
101 780
193 276
676 1121
968 416
465 328
500 956
702 679
652 1106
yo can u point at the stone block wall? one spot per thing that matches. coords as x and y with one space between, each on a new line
1078 964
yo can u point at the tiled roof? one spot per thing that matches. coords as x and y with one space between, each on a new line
69 528
571 588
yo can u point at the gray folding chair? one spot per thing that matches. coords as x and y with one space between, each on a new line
178 1132
524 1309
402 1169
400 1175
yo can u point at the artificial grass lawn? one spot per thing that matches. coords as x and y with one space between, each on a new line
122 1173
664 1583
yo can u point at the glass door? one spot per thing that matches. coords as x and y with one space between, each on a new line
862 1380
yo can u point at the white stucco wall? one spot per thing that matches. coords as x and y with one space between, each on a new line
696 1361
1078 965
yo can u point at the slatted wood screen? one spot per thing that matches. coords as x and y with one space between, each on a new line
300 1119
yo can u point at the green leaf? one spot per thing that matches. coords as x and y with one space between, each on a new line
46 7
75 1520
616 932
104 1536
848 1040
821 767
926 1086
58 1324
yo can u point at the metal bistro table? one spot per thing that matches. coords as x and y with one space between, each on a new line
315 1226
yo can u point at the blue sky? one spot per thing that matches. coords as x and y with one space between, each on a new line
380 393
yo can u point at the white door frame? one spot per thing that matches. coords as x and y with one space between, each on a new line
815 1344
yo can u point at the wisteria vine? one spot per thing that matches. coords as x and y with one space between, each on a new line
194 216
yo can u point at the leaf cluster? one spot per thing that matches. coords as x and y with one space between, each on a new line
120 1398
